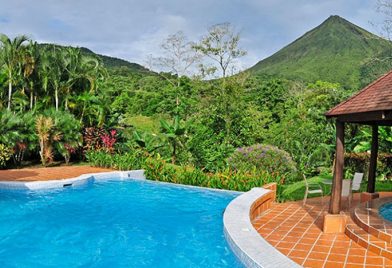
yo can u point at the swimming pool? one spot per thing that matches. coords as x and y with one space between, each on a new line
132 223
386 211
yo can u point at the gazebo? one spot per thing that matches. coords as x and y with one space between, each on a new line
371 106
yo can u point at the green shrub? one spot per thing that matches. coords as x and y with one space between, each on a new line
5 155
265 159
158 169
127 161
70 129
359 162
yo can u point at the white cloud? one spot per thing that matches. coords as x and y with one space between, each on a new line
132 29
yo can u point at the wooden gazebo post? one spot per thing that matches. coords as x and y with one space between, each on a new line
371 187
334 222
336 193
373 161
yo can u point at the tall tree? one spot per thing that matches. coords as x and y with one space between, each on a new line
178 56
384 8
12 50
82 73
30 61
53 68
221 45
178 60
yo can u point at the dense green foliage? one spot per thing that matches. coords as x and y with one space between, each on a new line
158 169
63 104
335 51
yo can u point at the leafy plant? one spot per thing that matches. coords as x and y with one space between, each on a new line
5 155
109 140
47 135
92 138
174 133
70 129
147 142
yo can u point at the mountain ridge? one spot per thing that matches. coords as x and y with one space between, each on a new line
335 51
108 61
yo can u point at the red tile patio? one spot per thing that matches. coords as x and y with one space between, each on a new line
44 174
295 230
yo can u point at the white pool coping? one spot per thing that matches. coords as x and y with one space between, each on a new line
90 177
248 245
80 180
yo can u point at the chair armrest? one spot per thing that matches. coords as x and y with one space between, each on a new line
314 184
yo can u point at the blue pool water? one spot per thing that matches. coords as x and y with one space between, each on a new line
115 224
386 211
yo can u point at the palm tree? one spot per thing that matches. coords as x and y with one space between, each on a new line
72 59
44 74
31 62
51 72
11 54
82 71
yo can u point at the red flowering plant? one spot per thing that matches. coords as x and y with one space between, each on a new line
92 138
109 140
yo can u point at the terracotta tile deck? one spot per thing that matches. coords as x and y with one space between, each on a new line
43 174
295 230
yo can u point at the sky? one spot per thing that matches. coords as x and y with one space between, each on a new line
133 30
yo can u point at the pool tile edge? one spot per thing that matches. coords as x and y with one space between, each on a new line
252 250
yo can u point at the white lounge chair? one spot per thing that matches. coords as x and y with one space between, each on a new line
349 186
346 191
357 181
312 188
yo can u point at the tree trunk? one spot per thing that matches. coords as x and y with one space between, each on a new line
31 99
9 95
41 152
56 96
174 154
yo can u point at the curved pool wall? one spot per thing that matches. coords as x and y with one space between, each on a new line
78 181
249 246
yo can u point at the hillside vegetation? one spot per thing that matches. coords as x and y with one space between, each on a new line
109 62
335 51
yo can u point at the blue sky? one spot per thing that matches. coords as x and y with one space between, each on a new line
133 29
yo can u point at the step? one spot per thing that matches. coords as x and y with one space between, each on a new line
368 241
366 216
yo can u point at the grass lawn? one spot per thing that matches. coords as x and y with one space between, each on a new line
296 191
